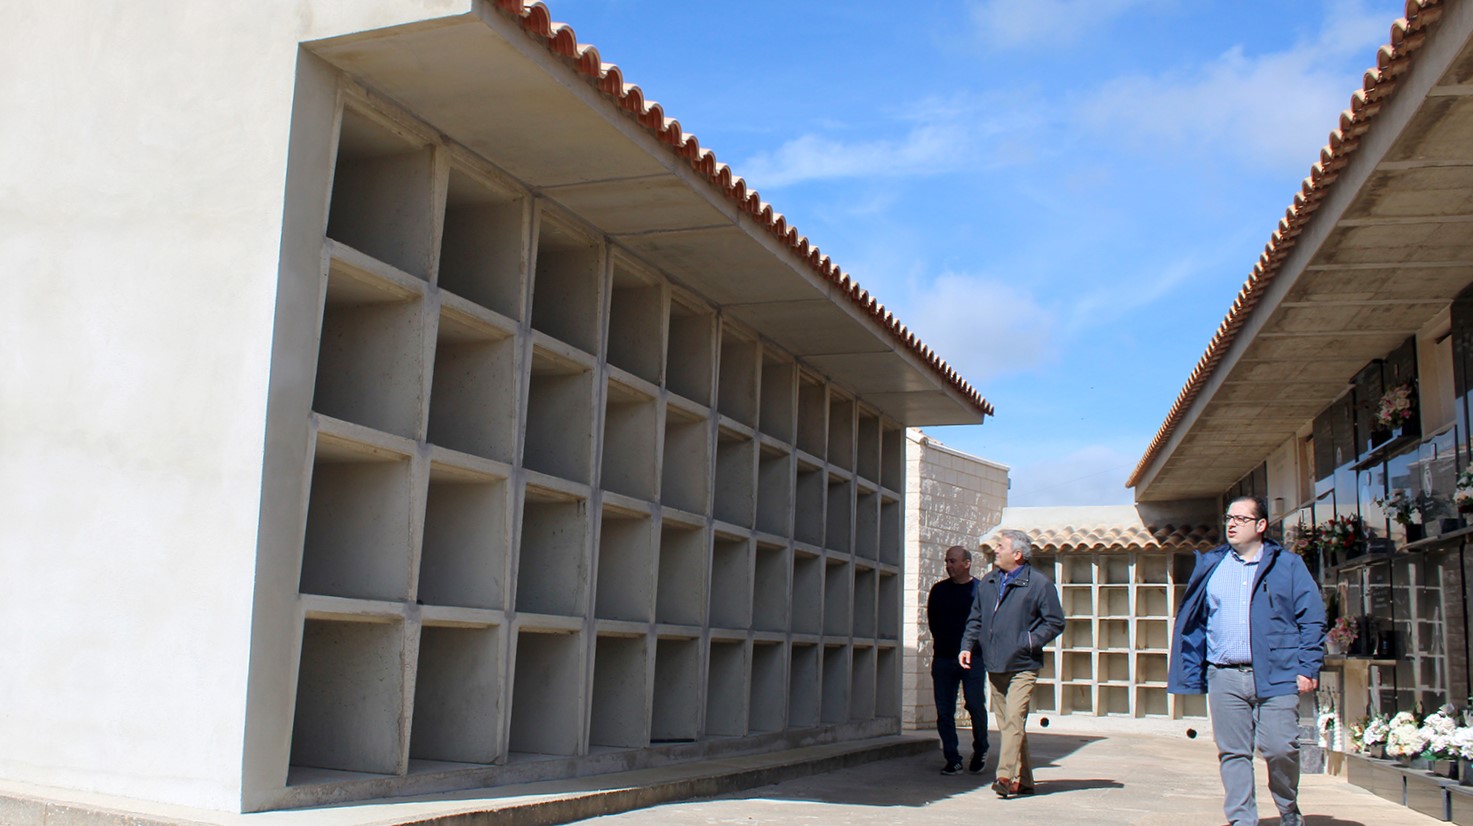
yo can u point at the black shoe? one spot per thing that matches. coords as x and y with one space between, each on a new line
979 760
1003 788
952 767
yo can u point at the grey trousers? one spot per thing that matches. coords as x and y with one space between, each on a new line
1240 720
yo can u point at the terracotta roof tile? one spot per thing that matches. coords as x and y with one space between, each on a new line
560 39
1392 60
1095 529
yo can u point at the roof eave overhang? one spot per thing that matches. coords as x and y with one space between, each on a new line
1295 340
503 83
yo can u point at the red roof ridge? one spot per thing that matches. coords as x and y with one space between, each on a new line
560 39
1379 82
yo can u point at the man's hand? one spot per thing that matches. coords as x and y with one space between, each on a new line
1307 684
965 658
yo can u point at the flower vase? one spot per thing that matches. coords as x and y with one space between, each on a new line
1417 763
1415 531
1465 772
1334 648
1375 752
1380 436
1446 768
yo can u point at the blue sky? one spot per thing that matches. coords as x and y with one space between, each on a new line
1061 197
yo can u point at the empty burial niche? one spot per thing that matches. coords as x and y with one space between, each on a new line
1078 634
813 413
867 525
837 583
862 684
735 498
552 565
1114 700
731 582
473 392
545 715
804 695
467 534
685 473
1151 601
620 686
680 598
890 518
774 490
1114 668
1114 601
626 567
778 397
1043 698
350 695
835 684
1115 634
631 428
808 517
865 588
691 351
1078 667
559 420
767 701
457 696
370 365
736 394
892 458
867 456
726 690
482 246
841 432
770 589
676 711
358 540
1151 702
840 507
888 617
565 290
807 593
381 189
887 683
636 324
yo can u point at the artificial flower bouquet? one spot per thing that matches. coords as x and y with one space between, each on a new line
1395 408
1343 633
1463 496
1402 507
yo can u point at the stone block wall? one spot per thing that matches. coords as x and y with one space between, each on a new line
952 498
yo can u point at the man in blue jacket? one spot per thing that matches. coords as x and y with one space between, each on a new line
1250 633
1015 613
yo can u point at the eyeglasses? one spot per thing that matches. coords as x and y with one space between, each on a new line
1240 521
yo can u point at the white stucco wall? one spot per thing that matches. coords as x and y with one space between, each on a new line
952 498
140 230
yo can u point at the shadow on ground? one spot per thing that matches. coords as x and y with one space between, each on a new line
917 781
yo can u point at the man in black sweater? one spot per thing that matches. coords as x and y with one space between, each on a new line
947 608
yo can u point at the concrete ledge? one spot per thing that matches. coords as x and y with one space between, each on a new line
531 804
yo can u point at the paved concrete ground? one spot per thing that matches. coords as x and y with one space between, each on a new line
1083 778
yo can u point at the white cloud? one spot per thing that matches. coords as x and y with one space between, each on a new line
1270 109
1009 24
981 326
932 136
1093 475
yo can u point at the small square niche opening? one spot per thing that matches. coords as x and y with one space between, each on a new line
631 428
813 413
726 690
774 491
804 687
690 355
686 471
559 420
636 324
565 291
770 588
467 535
381 189
736 395
835 684
370 363
358 540
681 594
735 487
552 566
545 717
350 697
620 685
676 711
483 247
731 580
867 461
768 698
626 567
473 393
779 394
807 593
457 696
841 432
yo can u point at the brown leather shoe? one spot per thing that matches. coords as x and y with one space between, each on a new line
1003 787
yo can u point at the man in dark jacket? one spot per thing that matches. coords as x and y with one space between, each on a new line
1250 633
1015 614
947 607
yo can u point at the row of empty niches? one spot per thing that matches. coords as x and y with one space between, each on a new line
355 700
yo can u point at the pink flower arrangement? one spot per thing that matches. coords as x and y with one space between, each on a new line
1396 406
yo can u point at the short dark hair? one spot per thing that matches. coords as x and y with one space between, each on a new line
1260 505
966 554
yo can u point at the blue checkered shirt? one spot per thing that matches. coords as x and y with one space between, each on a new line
1229 592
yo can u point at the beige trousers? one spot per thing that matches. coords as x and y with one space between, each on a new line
1011 693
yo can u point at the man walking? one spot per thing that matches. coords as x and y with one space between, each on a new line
1015 613
1251 634
947 607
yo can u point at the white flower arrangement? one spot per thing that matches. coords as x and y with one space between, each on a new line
1328 725
1373 733
1404 739
1439 731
